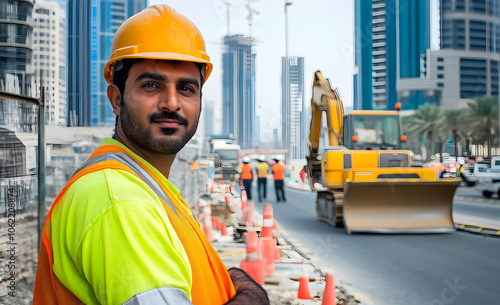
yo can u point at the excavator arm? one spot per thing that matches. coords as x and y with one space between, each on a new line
324 98
328 100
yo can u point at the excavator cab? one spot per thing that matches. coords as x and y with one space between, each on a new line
374 130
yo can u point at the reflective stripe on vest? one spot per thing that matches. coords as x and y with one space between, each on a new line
211 282
136 168
163 295
262 169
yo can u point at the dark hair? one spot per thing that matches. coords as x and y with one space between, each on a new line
120 72
122 68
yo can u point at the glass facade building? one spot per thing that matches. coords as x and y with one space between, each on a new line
390 38
16 52
91 26
293 114
467 64
238 90
49 59
79 61
471 28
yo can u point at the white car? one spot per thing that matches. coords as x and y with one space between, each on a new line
473 172
489 185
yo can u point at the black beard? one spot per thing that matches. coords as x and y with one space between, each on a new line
144 137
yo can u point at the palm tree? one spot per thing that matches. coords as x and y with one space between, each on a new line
427 119
414 139
440 135
484 115
454 120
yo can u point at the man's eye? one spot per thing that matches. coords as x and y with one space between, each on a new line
149 85
186 88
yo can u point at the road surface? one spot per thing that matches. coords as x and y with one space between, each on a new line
450 268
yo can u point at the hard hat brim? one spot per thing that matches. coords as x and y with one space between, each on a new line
108 72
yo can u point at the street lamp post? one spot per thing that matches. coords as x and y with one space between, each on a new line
286 131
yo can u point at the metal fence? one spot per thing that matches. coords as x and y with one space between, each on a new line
19 196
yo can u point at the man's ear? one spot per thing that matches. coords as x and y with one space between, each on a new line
114 97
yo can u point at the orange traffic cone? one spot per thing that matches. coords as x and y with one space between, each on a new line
267 242
275 237
329 296
217 223
275 227
207 222
267 246
250 208
243 218
223 229
253 265
303 292
244 214
267 221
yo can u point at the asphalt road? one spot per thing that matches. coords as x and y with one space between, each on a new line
470 207
431 269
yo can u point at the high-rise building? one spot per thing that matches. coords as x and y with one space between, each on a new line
292 120
467 64
208 113
238 87
391 36
91 27
49 59
16 52
79 63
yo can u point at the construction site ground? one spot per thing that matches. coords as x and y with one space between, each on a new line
282 287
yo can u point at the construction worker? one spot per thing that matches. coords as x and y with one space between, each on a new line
278 170
262 170
247 176
119 232
303 174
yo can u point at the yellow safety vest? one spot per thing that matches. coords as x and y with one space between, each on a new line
120 228
262 169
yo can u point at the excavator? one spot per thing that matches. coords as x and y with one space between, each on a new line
364 179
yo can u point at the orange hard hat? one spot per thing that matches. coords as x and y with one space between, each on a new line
158 32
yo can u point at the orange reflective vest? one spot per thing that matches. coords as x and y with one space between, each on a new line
302 174
279 171
211 283
246 171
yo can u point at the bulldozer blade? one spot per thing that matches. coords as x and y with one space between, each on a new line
399 205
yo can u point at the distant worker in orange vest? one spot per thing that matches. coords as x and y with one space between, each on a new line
279 179
262 170
303 174
119 231
247 176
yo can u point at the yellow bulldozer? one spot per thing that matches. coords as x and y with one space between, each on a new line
364 179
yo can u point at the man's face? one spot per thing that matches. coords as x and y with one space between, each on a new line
161 105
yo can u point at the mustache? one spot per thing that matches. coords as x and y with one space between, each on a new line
168 115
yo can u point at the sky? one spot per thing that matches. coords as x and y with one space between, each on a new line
321 31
